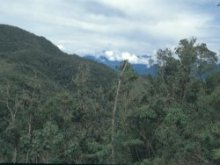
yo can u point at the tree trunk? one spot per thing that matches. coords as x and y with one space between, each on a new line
29 136
114 110
14 159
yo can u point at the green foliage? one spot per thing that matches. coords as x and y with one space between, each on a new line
56 108
216 154
46 142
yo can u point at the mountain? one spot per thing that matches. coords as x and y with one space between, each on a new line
23 49
141 69
103 60
145 70
51 103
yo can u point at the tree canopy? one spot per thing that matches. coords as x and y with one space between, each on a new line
57 108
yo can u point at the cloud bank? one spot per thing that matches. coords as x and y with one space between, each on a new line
132 58
131 27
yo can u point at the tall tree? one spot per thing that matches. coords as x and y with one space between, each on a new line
115 108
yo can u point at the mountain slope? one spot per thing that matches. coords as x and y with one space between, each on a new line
50 102
28 50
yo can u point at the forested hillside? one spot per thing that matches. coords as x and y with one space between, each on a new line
57 108
50 102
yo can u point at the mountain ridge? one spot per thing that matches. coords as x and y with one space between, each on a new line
22 47
141 69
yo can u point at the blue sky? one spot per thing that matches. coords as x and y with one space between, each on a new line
124 28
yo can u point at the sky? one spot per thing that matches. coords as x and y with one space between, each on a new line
118 29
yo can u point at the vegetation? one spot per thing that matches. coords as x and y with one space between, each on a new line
57 108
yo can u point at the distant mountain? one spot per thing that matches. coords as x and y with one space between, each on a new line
103 60
145 70
142 69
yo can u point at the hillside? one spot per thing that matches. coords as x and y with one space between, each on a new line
39 82
60 108
25 49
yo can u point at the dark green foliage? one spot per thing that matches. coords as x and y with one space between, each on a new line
51 103
56 108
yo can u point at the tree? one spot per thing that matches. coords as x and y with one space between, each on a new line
115 108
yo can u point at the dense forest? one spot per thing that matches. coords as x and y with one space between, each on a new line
60 108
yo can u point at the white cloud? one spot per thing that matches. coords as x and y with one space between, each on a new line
120 56
138 27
